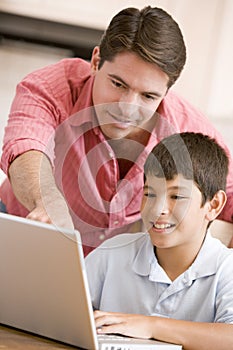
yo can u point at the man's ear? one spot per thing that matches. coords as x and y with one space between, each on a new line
216 205
95 59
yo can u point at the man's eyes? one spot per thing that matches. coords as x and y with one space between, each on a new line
116 83
149 97
119 84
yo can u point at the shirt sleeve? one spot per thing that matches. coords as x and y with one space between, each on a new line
42 101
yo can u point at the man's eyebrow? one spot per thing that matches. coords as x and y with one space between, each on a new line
114 76
154 93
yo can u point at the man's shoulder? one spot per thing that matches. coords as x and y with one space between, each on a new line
184 116
63 79
66 66
178 104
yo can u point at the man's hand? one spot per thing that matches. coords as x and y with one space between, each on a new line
33 183
52 212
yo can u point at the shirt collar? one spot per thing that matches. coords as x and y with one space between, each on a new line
144 257
204 264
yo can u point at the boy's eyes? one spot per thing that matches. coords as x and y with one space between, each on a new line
150 195
176 196
172 196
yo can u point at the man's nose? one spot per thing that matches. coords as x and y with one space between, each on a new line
128 104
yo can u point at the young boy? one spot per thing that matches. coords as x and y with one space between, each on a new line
174 282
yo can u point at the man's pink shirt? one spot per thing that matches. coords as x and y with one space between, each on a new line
56 103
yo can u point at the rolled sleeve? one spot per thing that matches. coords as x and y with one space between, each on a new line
33 119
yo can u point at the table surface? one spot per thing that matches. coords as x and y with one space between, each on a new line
11 338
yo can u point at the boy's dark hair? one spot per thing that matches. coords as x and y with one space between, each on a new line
151 33
195 156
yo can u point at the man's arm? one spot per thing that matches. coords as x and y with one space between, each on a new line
191 335
223 231
33 183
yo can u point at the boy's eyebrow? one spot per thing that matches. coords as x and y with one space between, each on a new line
114 76
146 187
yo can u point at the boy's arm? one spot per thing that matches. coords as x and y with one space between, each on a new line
33 183
191 335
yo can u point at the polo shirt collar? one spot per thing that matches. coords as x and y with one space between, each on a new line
204 264
144 257
146 263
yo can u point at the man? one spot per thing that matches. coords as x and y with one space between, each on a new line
78 132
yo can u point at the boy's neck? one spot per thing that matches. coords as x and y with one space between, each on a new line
176 260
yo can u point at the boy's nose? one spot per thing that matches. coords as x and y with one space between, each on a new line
162 208
164 211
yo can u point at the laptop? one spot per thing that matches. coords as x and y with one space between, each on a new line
44 287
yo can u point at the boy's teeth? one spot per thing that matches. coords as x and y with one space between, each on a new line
163 226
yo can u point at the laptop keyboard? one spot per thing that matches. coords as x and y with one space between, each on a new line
111 338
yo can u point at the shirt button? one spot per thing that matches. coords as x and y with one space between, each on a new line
102 237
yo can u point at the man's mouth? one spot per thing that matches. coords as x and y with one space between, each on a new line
122 120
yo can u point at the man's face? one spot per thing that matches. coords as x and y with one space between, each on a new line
126 93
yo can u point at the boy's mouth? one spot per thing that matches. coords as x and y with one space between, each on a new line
163 226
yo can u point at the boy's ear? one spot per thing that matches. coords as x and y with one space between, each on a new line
216 205
95 59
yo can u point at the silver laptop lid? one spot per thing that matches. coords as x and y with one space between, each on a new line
43 282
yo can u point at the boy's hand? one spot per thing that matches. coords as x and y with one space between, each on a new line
131 325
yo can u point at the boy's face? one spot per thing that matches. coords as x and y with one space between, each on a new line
172 213
126 93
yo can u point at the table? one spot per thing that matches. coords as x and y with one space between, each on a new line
11 339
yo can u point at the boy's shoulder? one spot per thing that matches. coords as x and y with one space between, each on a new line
121 248
124 240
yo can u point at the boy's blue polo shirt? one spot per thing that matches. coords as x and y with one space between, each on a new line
124 276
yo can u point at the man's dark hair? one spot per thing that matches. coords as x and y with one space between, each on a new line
151 33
